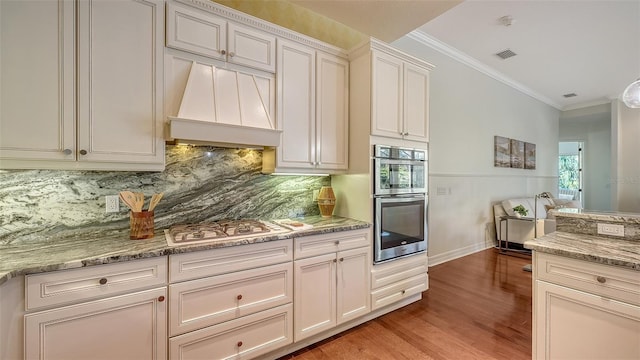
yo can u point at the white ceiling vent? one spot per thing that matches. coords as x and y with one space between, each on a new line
505 54
570 95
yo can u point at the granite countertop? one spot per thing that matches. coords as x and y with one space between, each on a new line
80 249
616 252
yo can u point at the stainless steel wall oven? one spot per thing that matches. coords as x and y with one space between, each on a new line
400 202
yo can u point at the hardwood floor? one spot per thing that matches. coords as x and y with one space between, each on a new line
477 307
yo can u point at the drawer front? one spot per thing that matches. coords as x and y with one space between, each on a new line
390 272
196 32
603 280
244 338
225 260
199 303
76 285
398 291
314 245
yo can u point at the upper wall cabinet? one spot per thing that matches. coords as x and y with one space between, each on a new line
312 111
392 90
205 34
78 92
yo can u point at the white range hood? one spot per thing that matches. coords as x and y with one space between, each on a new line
224 108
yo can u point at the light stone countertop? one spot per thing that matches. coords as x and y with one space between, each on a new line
79 249
616 252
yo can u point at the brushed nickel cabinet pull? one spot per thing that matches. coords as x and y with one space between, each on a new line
83 152
67 151
223 52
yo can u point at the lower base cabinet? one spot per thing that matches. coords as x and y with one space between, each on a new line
243 338
131 326
584 310
395 280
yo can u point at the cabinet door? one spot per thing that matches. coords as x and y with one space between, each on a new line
386 93
296 105
251 48
416 103
120 81
37 80
571 324
332 112
314 295
130 326
353 298
196 32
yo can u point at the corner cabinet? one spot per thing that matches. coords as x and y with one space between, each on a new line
78 92
584 310
312 107
393 92
331 275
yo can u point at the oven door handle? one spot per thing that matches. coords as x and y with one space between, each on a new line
401 198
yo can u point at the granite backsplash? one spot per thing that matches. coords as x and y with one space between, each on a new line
199 184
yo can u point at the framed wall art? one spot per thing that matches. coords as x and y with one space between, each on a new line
502 151
517 154
530 156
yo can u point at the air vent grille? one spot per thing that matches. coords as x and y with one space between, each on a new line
505 54
570 95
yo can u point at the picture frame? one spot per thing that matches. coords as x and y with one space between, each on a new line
517 154
529 156
501 152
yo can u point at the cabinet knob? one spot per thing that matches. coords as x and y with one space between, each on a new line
404 291
67 152
335 261
239 343
239 297
160 298
223 52
601 279
83 152
341 259
337 242
103 281
232 54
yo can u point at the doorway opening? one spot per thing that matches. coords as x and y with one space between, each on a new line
570 174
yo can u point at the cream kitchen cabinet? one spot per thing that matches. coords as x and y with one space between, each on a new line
332 284
79 92
199 32
312 111
390 92
115 311
396 280
584 310
231 302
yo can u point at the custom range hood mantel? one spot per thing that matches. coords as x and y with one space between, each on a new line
223 108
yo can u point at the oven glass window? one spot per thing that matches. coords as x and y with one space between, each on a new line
401 224
401 176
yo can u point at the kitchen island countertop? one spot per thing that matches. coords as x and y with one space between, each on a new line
81 248
616 252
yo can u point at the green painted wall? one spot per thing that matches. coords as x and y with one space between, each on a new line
299 19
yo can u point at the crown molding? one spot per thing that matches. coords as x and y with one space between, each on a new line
427 40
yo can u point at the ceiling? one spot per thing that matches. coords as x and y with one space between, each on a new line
587 47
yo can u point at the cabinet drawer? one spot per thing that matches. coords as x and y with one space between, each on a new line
243 338
603 280
199 303
225 260
390 272
66 286
307 246
399 290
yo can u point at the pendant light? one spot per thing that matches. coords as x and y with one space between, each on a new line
631 95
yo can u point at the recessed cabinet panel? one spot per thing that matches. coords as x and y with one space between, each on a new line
252 48
37 77
296 105
332 112
416 103
386 96
196 32
120 89
130 326
353 284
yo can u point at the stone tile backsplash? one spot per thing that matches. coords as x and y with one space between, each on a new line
199 184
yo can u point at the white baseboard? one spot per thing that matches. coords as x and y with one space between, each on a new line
458 253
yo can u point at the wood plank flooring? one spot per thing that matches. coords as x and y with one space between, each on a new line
477 307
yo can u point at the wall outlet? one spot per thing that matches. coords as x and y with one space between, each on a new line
112 203
610 229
